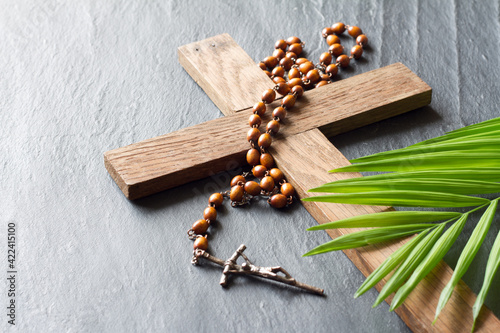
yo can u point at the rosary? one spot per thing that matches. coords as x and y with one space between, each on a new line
301 74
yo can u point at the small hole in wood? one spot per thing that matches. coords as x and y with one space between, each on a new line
197 49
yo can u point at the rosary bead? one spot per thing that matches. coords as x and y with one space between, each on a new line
282 88
268 73
278 79
259 108
356 51
200 227
298 91
253 157
216 200
278 201
265 139
294 82
262 66
325 58
254 120
252 188
290 55
324 77
354 31
253 134
272 127
278 53
322 83
306 67
276 174
288 101
238 180
236 193
313 75
287 190
201 243
278 71
286 63
336 50
343 60
338 28
294 73
259 171
281 44
210 214
332 70
267 183
326 32
279 112
270 62
301 61
362 40
293 40
332 39
296 48
268 96
267 160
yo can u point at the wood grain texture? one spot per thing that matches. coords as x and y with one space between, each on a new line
305 158
193 153
225 71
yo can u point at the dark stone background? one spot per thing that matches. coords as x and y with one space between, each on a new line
81 78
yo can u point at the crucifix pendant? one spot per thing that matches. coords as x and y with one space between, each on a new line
248 268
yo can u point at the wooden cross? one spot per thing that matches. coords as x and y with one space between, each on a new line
301 150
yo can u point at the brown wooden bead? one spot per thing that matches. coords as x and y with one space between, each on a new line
293 40
262 66
278 201
282 88
336 50
313 75
332 39
267 160
294 73
278 79
216 200
201 243
332 70
322 83
252 188
356 51
270 62
294 82
265 140
278 71
343 60
288 101
286 63
281 44
324 77
253 134
267 183
210 213
278 53
287 190
296 48
268 73
298 91
301 61
338 28
326 32
253 157
238 180
325 58
272 127
259 108
236 193
254 120
354 31
306 67
362 40
259 171
268 96
200 227
290 55
280 112
277 174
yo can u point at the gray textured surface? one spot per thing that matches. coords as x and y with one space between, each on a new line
80 78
